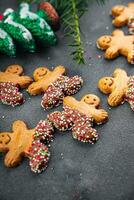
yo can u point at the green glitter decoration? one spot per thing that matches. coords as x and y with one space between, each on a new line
6 43
18 32
36 25
44 15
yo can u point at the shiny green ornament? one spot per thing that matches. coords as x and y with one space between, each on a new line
18 32
36 25
6 43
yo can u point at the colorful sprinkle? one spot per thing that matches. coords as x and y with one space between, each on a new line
44 131
10 95
130 92
80 124
39 156
56 91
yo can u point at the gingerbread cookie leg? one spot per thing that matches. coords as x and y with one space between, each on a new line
10 95
130 92
83 131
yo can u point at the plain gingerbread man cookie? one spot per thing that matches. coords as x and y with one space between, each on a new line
122 14
117 44
120 88
26 142
78 116
13 74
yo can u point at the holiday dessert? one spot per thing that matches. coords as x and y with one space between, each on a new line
54 85
11 80
79 116
24 142
120 88
122 14
117 44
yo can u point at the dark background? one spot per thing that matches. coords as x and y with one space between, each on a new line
104 171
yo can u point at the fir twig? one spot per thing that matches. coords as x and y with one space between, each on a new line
70 12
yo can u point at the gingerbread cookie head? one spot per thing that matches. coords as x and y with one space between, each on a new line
122 14
104 42
116 86
105 84
91 99
14 69
40 73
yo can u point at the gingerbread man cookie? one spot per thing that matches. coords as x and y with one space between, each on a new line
122 14
78 116
13 74
117 44
54 85
28 143
10 82
120 87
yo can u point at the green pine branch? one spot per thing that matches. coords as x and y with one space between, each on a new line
70 12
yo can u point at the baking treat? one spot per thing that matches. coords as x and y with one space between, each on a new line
54 85
120 88
117 44
79 116
131 25
122 14
6 43
26 142
13 74
36 25
48 12
17 31
10 95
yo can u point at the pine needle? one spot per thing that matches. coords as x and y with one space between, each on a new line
70 12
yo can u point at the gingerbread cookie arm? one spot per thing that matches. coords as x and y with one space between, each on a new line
118 32
99 115
130 56
112 52
131 5
12 158
119 21
116 97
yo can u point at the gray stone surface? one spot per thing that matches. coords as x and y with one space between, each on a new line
104 171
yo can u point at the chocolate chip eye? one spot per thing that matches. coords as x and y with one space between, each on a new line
87 97
105 84
94 99
0 142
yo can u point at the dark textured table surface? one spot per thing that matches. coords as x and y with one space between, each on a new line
104 171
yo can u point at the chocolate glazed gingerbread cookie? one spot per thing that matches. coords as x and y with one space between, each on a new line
117 44
120 88
10 82
24 142
79 116
54 84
